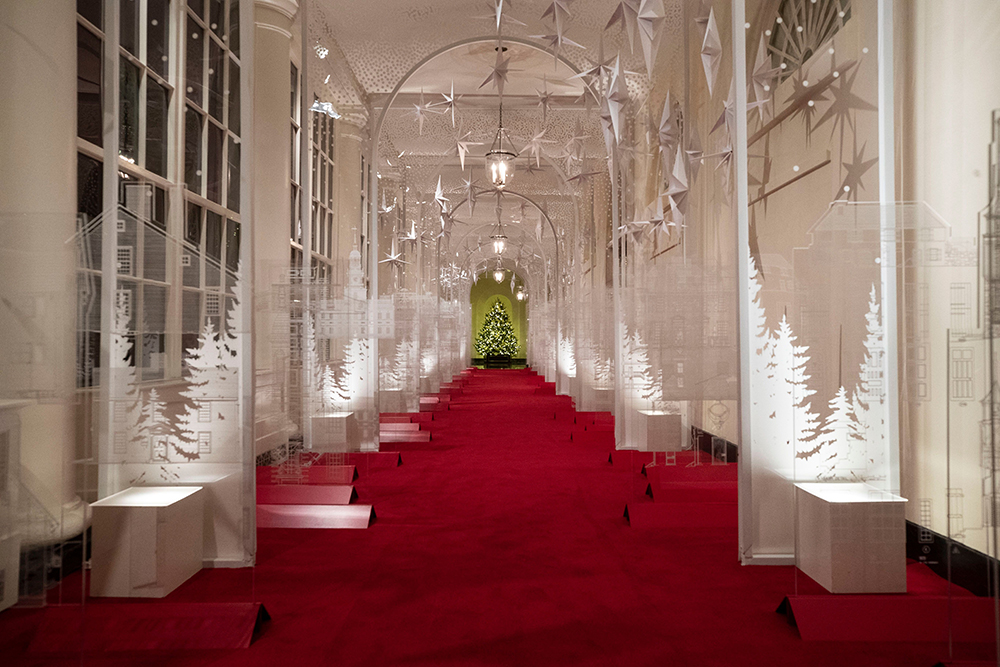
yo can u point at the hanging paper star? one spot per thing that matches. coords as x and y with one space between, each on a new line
703 15
617 97
803 99
669 132
557 42
650 20
764 77
844 102
462 145
856 169
412 235
600 70
450 103
694 152
677 189
559 11
580 178
499 15
626 13
420 111
711 51
658 221
394 259
501 70
607 127
635 229
531 169
439 197
470 194
544 99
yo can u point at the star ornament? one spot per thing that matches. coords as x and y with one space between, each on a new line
470 194
617 98
558 11
450 103
856 170
711 51
764 77
650 21
439 197
544 99
394 259
635 229
627 14
534 147
500 72
462 146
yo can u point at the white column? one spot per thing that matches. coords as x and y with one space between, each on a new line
37 260
271 190
887 223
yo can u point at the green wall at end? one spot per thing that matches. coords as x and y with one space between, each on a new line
482 296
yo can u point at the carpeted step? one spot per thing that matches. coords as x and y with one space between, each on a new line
306 494
347 517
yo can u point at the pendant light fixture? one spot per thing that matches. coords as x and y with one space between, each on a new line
498 237
498 272
500 159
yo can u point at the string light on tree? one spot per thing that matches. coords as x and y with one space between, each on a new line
496 338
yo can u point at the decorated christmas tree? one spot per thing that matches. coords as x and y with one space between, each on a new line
496 338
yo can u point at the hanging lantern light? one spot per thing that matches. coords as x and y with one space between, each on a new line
520 294
499 243
499 273
500 159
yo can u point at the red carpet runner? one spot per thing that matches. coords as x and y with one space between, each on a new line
502 542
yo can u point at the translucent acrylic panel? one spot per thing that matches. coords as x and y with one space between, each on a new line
814 317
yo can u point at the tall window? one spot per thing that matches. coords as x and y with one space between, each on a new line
212 103
189 256
324 145
295 113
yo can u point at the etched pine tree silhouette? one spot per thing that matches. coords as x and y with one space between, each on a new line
869 395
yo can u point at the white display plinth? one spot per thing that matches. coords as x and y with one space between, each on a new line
851 537
147 540
658 431
335 432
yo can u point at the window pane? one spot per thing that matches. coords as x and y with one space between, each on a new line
157 32
88 86
234 27
213 235
156 127
234 97
190 320
215 139
128 134
89 190
216 63
233 176
130 26
192 225
232 245
216 18
192 149
195 68
295 93
154 253
154 310
91 10
159 213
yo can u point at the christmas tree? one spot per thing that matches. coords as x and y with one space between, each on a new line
496 338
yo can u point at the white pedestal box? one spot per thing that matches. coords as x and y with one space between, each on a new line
851 537
147 540
657 431
335 432
392 400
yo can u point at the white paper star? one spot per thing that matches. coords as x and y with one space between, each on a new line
650 21
534 147
462 145
626 13
501 70
711 51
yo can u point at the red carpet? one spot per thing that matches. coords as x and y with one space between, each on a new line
502 542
